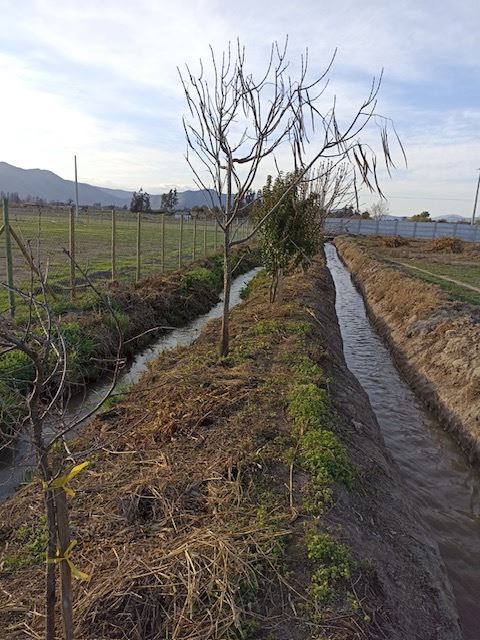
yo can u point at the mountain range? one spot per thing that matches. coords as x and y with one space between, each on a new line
40 183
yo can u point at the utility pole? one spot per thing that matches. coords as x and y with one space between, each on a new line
76 189
476 198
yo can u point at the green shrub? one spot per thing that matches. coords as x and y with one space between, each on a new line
211 276
16 368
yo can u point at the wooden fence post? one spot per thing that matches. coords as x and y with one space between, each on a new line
205 236
215 237
194 252
180 243
114 244
139 232
163 243
63 530
8 255
73 279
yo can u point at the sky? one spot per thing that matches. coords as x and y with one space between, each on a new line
100 79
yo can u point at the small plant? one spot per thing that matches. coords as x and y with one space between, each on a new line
33 541
334 565
309 407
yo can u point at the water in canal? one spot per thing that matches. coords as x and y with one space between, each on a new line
441 481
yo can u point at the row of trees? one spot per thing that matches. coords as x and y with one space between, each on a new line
141 201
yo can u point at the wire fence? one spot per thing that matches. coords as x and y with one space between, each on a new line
98 246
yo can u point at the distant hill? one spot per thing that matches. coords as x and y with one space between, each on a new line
49 186
451 217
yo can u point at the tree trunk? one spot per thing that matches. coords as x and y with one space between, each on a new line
63 528
227 284
279 289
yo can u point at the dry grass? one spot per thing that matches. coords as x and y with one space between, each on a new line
394 241
446 244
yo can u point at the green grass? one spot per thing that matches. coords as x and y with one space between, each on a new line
470 274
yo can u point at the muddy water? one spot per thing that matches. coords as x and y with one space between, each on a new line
442 483
14 464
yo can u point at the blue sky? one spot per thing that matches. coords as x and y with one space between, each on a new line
99 80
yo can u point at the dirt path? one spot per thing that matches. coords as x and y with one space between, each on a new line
436 275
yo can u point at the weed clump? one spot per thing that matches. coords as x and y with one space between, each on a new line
318 450
395 241
32 541
308 407
282 327
322 455
333 566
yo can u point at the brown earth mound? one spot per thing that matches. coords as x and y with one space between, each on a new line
394 241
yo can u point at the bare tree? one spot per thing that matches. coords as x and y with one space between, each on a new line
378 210
237 121
333 185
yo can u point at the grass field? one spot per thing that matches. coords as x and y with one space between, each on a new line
46 234
438 267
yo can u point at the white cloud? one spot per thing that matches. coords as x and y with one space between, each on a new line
100 80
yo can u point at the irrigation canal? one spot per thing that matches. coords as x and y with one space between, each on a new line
443 485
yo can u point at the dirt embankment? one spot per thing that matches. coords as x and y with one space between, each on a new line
245 497
136 313
162 300
435 341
